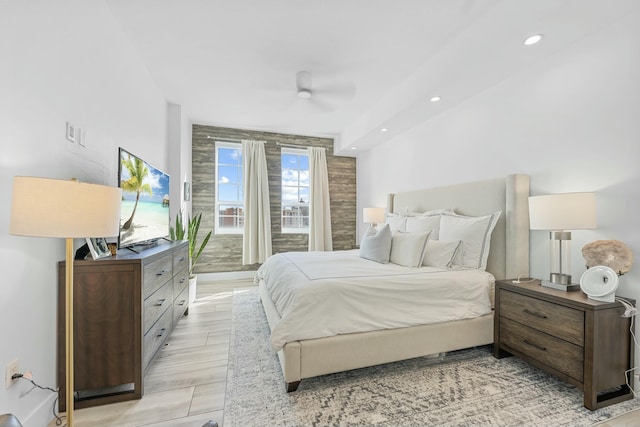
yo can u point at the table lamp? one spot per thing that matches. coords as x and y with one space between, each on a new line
43 207
373 216
559 213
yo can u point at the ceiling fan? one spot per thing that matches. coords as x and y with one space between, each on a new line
324 95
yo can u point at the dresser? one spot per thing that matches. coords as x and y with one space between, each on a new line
125 308
584 342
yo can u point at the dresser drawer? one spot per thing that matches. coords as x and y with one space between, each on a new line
561 355
181 259
563 322
156 274
156 304
156 336
180 305
180 281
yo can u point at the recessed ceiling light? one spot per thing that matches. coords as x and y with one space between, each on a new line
435 99
353 148
384 130
531 40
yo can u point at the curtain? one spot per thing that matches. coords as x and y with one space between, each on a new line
319 209
256 241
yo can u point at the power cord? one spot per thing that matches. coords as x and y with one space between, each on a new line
521 280
630 311
27 377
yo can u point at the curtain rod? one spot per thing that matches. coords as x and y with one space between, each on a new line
240 140
224 139
290 145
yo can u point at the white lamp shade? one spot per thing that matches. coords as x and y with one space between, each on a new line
44 207
568 211
373 215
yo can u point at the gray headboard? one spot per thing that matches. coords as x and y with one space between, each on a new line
509 252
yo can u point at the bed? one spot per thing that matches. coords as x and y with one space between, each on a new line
508 257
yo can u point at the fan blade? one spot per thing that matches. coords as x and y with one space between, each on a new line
341 90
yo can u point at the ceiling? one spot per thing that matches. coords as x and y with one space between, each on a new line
374 63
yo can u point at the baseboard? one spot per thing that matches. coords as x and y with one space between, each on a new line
42 414
230 275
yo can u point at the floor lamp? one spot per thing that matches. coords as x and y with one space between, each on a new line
43 207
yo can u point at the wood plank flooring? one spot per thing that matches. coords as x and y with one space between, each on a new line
185 386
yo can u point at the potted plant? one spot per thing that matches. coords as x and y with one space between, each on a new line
189 231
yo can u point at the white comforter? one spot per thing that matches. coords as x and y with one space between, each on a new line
321 294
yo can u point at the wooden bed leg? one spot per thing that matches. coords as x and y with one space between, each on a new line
291 387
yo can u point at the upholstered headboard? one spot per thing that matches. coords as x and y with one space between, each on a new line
509 251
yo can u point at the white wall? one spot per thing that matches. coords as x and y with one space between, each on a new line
60 61
179 133
572 122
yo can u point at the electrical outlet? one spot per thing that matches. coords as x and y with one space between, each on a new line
12 368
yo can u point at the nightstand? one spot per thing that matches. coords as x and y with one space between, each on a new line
584 342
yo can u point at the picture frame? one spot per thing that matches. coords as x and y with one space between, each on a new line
98 247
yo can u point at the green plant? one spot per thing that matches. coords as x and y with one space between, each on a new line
190 232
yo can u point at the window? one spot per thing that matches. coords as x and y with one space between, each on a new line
295 191
229 197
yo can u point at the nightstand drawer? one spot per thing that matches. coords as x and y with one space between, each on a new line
561 355
563 322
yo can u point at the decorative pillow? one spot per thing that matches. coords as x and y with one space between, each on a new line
475 233
377 247
408 248
396 222
440 253
424 223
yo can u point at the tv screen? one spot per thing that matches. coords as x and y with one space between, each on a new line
144 216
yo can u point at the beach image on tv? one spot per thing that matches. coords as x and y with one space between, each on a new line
144 214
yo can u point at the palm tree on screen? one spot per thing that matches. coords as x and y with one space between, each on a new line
138 172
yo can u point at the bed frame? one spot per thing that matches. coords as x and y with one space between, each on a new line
508 257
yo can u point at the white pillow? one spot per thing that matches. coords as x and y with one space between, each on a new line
440 253
377 247
408 248
475 233
424 223
448 211
396 222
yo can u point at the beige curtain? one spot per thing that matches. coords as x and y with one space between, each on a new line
319 208
256 240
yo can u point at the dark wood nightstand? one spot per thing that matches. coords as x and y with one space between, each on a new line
584 342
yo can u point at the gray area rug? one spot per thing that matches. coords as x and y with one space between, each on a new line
463 388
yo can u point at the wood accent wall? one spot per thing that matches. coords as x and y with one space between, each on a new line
224 252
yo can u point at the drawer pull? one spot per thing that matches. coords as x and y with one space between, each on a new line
161 273
181 280
535 345
533 313
160 302
181 259
182 302
161 333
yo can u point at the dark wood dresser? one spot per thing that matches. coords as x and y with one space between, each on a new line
584 342
125 307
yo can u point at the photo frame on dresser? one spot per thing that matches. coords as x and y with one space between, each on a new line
98 247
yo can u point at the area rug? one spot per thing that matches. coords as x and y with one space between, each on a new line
462 388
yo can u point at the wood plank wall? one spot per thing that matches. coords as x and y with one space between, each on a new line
224 252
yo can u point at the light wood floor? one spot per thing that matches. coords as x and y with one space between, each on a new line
185 386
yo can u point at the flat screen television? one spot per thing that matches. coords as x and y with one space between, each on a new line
144 214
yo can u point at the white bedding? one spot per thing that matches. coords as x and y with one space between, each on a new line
321 294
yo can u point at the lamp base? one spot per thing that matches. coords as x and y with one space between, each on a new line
561 287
